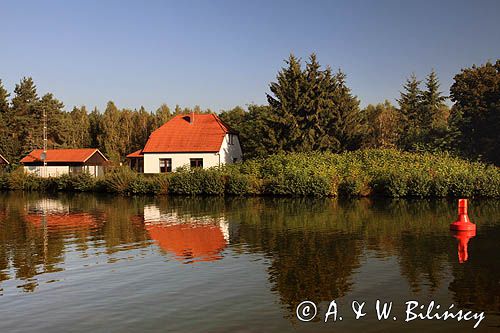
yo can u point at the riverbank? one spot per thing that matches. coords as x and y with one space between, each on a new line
353 174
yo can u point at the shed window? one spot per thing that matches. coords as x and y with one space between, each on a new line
196 162
165 165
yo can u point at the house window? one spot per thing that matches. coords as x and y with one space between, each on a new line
196 162
231 139
165 165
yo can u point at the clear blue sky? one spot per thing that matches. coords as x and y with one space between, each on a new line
220 54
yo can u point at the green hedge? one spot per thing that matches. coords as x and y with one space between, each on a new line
360 173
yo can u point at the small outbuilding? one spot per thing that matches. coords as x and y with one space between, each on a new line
65 161
135 161
192 140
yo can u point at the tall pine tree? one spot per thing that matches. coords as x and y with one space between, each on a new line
434 109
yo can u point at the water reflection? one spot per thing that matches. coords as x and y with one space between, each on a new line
316 250
190 239
463 238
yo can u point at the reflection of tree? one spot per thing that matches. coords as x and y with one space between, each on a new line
119 230
477 282
32 245
23 248
423 258
313 266
313 263
417 233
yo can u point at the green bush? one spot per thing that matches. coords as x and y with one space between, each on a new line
119 179
4 181
242 184
355 185
440 186
143 185
300 184
419 183
186 182
360 173
391 184
488 183
462 184
17 179
212 181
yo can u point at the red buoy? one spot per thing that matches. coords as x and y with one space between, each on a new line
462 223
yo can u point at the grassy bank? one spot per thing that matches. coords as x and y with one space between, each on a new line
361 173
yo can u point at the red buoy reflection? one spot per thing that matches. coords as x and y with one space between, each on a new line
463 241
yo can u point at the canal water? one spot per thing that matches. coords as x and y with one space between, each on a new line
87 263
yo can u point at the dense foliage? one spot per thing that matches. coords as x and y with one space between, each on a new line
116 132
309 109
361 173
476 112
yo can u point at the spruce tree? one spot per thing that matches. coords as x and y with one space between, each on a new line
410 102
162 115
345 128
23 119
5 132
109 135
81 128
57 131
433 104
410 107
4 99
287 104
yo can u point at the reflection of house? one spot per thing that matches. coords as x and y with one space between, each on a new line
191 239
3 162
57 216
65 161
194 140
74 221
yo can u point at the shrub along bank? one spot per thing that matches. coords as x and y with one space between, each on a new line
360 173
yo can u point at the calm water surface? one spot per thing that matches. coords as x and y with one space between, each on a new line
85 263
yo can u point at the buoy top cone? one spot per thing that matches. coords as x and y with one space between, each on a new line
462 223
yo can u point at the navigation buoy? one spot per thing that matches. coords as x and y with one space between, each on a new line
462 223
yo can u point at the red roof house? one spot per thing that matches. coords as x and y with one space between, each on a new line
194 140
64 161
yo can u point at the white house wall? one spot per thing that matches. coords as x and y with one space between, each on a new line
55 171
229 152
152 160
225 155
52 171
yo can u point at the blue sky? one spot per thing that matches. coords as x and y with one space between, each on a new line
219 54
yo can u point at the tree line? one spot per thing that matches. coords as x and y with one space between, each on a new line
309 108
116 132
312 109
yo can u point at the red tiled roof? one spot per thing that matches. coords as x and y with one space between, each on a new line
204 134
136 154
62 155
